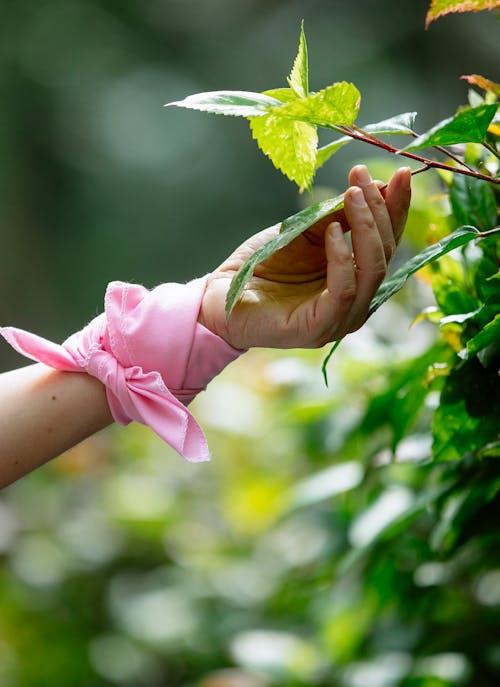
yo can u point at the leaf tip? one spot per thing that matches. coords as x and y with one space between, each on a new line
325 375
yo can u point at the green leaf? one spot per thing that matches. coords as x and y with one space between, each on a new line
467 126
460 237
399 124
486 337
486 279
439 8
490 290
290 228
452 296
392 285
336 105
325 152
290 145
473 202
235 103
467 416
299 79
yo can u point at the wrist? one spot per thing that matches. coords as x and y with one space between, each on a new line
212 314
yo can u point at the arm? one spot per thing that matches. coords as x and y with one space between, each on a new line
311 292
45 412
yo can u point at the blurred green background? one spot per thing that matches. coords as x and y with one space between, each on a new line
300 555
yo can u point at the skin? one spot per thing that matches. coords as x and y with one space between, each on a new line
314 291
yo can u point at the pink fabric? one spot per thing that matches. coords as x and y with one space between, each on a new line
150 352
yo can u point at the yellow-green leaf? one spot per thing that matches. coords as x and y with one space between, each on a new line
439 8
335 105
298 79
290 145
284 95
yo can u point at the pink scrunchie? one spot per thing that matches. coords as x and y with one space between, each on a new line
150 352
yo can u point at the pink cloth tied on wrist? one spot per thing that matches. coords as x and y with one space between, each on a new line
150 352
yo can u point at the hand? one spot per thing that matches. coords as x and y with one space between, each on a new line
316 289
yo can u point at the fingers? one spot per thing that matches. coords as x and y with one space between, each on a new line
332 311
397 199
341 275
360 177
369 250
376 224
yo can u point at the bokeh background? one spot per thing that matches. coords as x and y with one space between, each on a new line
119 563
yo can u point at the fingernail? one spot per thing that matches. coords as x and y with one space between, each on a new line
407 172
357 196
363 175
336 231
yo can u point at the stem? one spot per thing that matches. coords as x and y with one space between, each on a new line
490 232
442 149
372 140
424 168
492 149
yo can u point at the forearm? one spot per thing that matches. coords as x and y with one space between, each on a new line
43 412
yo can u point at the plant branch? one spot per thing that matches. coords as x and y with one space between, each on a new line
490 232
372 140
492 149
445 151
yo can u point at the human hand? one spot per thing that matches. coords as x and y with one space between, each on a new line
316 289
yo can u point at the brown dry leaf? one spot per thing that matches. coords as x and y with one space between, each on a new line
482 82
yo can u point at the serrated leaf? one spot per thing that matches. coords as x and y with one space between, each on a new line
391 286
473 202
482 82
290 145
467 126
299 79
439 8
399 124
290 228
333 106
234 103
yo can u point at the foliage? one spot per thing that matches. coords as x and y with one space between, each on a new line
284 123
339 538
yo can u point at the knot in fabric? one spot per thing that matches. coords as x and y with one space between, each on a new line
143 345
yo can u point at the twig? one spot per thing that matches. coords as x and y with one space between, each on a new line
372 140
491 148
